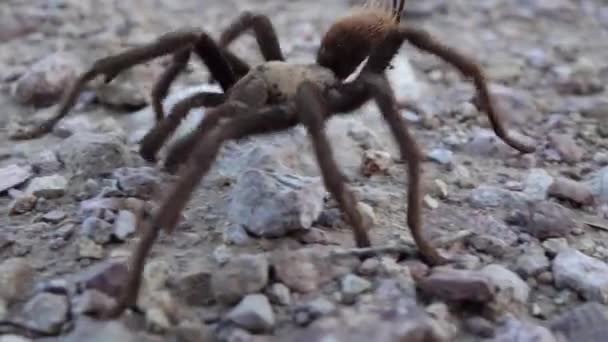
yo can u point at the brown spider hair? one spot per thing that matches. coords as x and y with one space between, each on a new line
351 39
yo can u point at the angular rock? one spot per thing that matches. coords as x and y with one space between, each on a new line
441 156
239 277
458 285
568 189
545 220
97 230
537 183
584 274
375 162
511 288
253 314
14 175
193 287
270 204
125 225
532 262
353 286
140 182
306 269
46 312
307 312
54 216
93 330
22 204
46 162
92 154
108 278
47 79
279 294
88 249
47 186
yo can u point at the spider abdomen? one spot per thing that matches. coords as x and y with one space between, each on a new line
282 79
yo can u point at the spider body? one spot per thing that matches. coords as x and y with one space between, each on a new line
275 96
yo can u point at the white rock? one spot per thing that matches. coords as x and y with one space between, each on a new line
14 175
254 314
47 186
582 273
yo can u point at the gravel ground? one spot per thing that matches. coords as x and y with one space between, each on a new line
529 230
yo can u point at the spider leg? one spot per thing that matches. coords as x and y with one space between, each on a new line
421 39
265 34
162 85
273 119
385 100
158 135
111 66
312 114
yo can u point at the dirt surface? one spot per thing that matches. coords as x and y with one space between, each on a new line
546 61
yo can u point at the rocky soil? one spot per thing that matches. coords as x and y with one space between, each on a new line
262 253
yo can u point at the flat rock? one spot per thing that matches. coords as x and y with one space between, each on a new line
125 225
14 175
254 314
582 273
545 220
458 285
537 183
512 290
240 276
486 196
568 189
270 204
193 287
47 186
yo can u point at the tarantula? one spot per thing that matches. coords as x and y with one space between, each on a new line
275 96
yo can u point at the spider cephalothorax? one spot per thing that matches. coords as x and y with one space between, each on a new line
275 96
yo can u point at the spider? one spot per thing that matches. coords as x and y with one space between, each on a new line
275 96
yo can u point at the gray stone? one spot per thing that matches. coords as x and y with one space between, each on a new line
54 216
511 288
571 190
193 287
108 278
353 285
92 154
47 186
514 330
554 246
97 230
254 314
142 182
441 156
93 330
47 79
236 235
545 220
537 183
582 273
14 175
279 294
46 312
88 249
46 162
239 277
307 312
13 338
125 225
271 204
486 196
531 263
599 185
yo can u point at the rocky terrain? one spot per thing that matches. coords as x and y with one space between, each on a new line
262 253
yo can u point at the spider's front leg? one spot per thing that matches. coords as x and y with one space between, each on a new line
264 32
421 39
313 114
178 42
270 120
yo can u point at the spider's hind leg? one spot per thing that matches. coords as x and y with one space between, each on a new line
263 29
